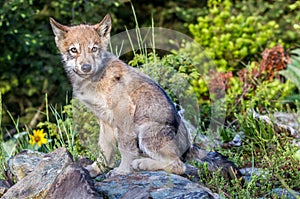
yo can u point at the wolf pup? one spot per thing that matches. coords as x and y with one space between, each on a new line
133 111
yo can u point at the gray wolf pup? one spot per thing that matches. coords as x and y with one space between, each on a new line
133 111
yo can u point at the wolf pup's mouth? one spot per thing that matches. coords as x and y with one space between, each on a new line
80 73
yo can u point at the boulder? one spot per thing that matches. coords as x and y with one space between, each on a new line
55 175
154 185
24 163
37 183
282 193
4 186
73 182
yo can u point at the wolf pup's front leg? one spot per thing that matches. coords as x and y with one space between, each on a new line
127 145
107 143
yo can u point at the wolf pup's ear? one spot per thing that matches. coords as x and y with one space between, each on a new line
103 28
59 30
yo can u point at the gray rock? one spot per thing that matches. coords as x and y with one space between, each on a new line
4 186
73 182
137 193
154 185
55 175
283 122
24 163
38 182
282 193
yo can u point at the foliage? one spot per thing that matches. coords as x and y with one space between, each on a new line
63 132
272 150
30 64
293 69
171 14
229 37
2 154
264 149
259 86
71 129
28 69
285 13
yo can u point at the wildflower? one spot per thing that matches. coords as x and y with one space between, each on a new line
38 137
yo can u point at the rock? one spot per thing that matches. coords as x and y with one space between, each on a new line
24 163
73 182
4 186
154 185
248 172
137 193
55 175
283 122
39 180
282 193
84 162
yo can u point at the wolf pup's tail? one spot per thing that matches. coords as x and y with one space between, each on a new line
214 162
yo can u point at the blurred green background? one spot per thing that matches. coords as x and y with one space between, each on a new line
233 32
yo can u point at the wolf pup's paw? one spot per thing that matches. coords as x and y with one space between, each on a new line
138 165
116 172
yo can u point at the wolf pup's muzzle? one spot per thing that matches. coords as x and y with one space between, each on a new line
86 68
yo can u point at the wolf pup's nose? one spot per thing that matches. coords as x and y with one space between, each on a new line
86 68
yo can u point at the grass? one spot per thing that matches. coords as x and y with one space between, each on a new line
265 149
2 159
73 127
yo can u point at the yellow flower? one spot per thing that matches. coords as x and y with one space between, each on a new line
38 137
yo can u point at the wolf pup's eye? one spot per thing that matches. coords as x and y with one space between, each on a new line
73 50
94 49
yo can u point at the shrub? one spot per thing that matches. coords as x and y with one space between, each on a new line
285 13
259 85
230 37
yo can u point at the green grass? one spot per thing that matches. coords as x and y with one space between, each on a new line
263 148
2 159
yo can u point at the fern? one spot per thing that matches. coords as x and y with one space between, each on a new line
293 69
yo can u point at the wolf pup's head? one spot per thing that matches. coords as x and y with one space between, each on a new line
82 46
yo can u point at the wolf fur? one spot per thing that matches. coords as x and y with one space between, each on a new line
134 112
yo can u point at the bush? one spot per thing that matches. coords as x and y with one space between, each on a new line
230 37
285 13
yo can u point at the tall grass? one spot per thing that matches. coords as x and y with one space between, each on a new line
60 127
2 160
15 144
139 40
